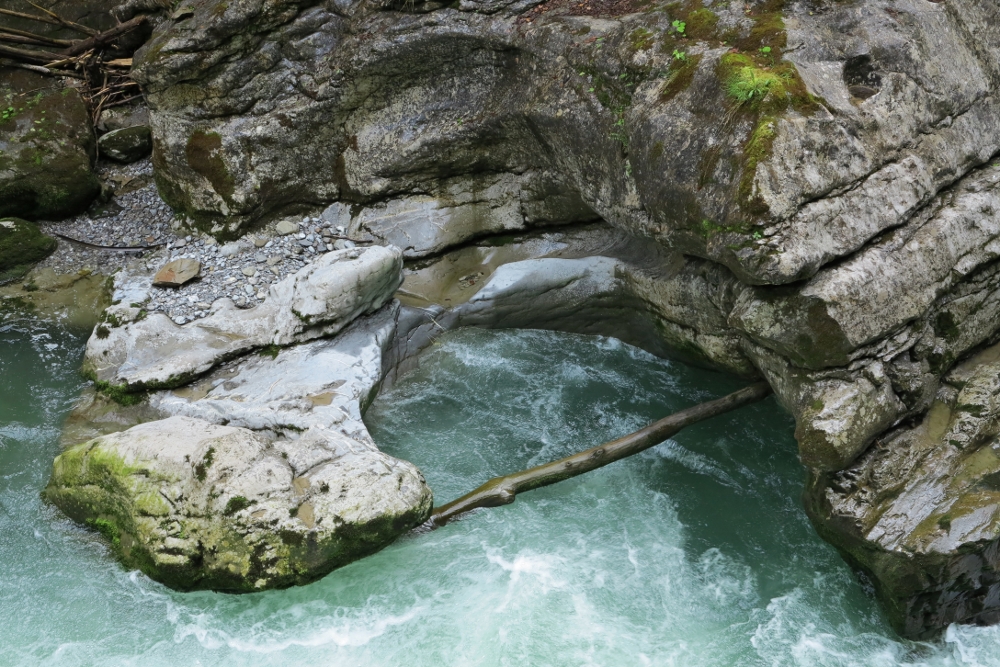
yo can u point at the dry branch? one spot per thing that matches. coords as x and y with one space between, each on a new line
503 490
43 38
103 39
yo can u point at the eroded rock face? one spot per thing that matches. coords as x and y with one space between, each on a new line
320 300
429 127
920 510
834 228
197 505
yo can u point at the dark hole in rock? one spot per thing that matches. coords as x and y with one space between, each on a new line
862 80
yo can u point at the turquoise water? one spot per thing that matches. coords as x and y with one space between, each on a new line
696 552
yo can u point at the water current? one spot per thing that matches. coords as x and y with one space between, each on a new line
694 553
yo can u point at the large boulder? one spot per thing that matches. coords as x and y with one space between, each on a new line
197 505
47 148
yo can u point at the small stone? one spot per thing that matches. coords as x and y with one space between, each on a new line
231 249
249 290
177 272
127 144
305 244
260 257
343 244
180 243
249 271
286 227
274 259
210 241
275 270
260 242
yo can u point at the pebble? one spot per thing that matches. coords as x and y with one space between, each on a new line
140 217
286 227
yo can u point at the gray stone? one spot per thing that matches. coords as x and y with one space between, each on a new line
177 272
318 300
918 511
47 148
128 144
286 227
197 505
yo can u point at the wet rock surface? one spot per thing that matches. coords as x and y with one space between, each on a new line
919 512
128 144
136 351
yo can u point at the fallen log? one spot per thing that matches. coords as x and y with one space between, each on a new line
503 490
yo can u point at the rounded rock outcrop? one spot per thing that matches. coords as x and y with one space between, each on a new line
196 505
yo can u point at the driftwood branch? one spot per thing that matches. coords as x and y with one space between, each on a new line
503 490
4 62
42 38
102 39
30 17
35 57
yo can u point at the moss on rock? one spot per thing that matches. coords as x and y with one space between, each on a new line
22 244
47 149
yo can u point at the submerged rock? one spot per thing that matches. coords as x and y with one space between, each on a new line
197 505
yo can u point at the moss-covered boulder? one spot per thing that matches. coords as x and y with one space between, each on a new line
21 245
200 506
47 148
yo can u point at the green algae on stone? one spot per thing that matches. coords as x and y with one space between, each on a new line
200 506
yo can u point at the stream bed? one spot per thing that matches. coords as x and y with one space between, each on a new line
696 552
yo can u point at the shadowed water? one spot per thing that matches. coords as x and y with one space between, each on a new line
696 552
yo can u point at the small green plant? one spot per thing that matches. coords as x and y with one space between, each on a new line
680 55
201 470
8 113
750 85
679 26
108 529
235 504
